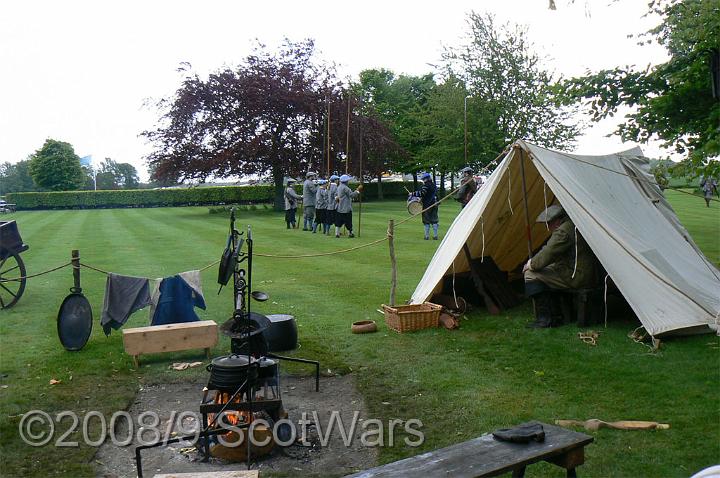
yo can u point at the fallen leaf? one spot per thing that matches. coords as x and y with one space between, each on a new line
54 382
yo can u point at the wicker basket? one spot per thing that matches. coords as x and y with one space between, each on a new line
404 318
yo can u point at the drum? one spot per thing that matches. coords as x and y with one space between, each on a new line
414 205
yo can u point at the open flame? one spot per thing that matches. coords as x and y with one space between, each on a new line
233 417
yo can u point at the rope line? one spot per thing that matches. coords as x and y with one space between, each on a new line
210 265
96 269
18 279
320 254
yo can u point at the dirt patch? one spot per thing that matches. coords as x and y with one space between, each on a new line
298 394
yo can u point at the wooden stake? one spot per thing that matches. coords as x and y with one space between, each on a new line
76 269
393 262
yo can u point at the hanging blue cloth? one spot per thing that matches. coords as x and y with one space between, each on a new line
177 302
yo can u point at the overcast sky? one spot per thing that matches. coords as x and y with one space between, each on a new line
81 71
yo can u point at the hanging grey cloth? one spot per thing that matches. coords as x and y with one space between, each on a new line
123 296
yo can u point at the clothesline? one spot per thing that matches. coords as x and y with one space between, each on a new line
96 269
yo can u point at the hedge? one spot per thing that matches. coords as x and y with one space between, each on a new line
195 196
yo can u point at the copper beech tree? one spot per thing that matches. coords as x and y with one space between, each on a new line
266 117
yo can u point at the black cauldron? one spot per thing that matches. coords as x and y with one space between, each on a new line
230 372
282 333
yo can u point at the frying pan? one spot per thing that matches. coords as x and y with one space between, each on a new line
74 319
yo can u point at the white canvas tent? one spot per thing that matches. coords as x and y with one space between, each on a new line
617 207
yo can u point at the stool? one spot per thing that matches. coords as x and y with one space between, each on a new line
588 305
583 306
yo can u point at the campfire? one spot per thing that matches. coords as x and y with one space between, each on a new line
243 392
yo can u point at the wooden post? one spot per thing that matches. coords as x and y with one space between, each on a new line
76 270
393 262
525 202
328 135
361 181
347 138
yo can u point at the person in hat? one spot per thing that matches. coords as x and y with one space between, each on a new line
709 188
428 195
564 262
321 204
468 187
309 191
291 200
343 213
332 203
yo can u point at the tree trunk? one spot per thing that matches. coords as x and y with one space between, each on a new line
279 189
452 181
379 189
442 184
415 185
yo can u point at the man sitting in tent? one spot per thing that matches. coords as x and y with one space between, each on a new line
565 262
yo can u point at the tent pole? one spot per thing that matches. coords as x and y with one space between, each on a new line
525 202
328 136
347 138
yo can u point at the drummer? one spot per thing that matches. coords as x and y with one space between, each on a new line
428 195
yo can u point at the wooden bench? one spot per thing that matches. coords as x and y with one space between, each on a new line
170 338
486 456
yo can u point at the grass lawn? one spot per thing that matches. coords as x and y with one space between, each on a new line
491 373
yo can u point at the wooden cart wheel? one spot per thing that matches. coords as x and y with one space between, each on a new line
11 267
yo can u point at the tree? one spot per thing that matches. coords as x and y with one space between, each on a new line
672 101
396 101
263 117
511 95
16 177
56 167
114 175
442 124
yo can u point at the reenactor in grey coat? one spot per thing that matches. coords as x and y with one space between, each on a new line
344 197
309 190
321 204
332 203
291 200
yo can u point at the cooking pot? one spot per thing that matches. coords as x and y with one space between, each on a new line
282 333
229 372
268 368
